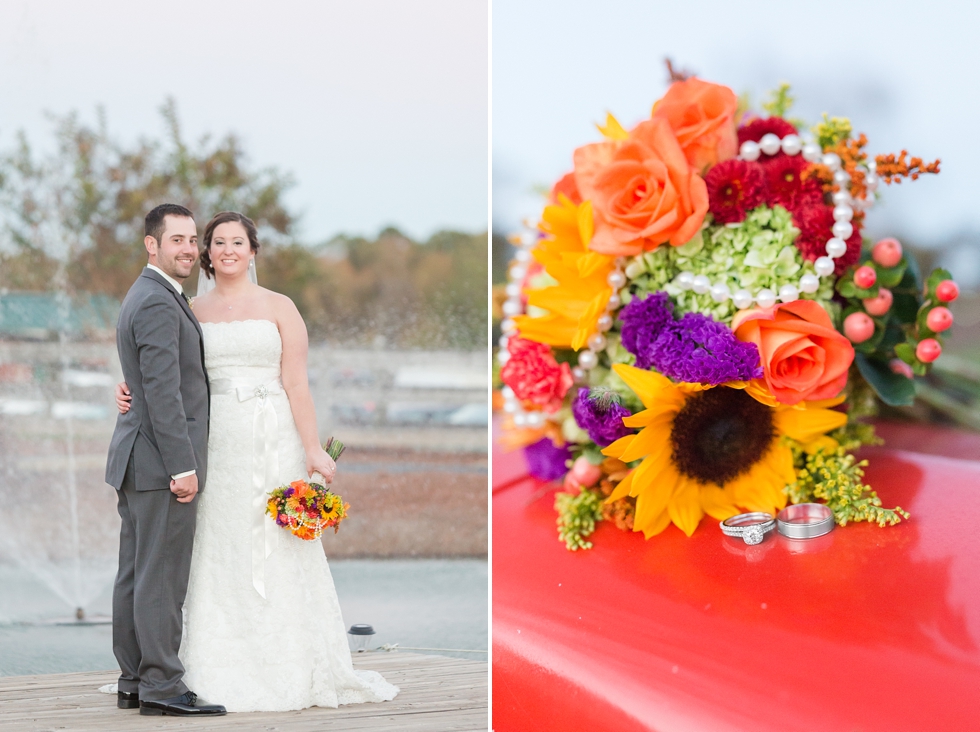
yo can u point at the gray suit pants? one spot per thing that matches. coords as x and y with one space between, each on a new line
155 544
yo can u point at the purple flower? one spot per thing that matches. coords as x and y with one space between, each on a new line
545 461
601 415
694 349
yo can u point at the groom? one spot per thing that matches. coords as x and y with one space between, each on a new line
157 463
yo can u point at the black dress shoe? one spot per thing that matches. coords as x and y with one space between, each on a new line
185 705
127 699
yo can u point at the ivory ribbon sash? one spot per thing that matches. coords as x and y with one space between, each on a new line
265 466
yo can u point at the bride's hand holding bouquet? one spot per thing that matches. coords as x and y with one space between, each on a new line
308 508
319 462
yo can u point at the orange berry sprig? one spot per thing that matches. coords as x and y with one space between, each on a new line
892 168
852 160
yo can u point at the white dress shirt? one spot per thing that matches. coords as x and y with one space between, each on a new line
180 291
173 283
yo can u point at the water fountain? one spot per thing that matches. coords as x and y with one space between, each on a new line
58 526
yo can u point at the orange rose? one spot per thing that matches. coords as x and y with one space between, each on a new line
804 357
702 116
566 186
642 189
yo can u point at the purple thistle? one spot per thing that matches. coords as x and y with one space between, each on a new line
545 461
601 415
694 349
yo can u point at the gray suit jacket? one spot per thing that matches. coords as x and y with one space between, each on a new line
161 349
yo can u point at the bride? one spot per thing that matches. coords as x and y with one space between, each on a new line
262 624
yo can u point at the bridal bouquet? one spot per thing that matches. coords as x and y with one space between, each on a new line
697 324
307 508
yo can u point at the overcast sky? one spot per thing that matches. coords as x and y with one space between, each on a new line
378 108
905 72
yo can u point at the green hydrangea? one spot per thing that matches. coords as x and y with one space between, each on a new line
758 252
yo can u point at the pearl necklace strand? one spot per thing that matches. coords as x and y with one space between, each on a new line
836 246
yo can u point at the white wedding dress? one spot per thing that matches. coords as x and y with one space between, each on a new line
287 650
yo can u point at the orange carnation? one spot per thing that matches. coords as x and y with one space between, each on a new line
702 116
804 357
643 191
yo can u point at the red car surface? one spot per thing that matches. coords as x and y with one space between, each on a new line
865 628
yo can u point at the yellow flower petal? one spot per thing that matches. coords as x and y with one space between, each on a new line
780 460
719 503
649 386
825 443
758 390
586 227
824 403
805 425
552 330
612 130
685 506
588 319
652 524
654 481
653 440
647 416
623 489
617 448
753 490
580 296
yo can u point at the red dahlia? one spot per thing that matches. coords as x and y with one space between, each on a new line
735 187
784 175
815 223
756 128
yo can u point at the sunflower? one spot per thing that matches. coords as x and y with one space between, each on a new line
580 297
711 450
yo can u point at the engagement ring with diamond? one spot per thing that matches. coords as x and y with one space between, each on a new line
750 527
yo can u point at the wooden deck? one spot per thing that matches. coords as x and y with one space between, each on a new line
437 694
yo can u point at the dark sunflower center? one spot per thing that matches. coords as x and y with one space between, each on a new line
719 434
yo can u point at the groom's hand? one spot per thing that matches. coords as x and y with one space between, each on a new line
184 488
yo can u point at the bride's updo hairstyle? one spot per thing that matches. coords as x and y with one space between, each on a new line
223 218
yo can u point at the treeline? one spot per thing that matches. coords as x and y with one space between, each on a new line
389 290
72 220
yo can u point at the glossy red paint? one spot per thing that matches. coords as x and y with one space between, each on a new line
862 629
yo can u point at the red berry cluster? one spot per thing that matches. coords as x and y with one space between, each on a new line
866 283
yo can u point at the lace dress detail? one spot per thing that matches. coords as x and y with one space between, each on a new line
288 650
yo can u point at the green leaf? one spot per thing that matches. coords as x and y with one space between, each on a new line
938 275
847 288
891 276
913 270
906 352
893 336
908 293
593 453
894 389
